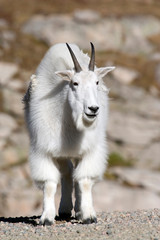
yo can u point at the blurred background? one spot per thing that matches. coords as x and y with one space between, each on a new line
126 34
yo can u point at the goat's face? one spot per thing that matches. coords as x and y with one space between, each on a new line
83 95
83 98
84 90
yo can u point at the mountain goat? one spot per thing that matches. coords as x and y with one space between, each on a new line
66 114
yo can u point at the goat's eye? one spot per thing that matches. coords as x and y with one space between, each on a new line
97 82
75 84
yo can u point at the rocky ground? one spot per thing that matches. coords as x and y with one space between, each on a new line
135 225
131 42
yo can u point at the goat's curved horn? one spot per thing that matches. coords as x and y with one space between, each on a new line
92 61
76 63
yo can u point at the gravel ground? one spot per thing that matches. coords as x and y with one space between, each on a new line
137 225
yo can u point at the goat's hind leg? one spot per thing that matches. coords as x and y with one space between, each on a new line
65 208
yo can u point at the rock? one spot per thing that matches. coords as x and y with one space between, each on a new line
7 71
27 203
135 43
86 16
3 23
154 91
6 37
20 203
125 34
9 156
15 85
155 56
147 25
64 27
146 179
132 129
133 99
17 197
134 125
7 125
12 101
20 143
125 75
21 139
137 30
135 138
149 157
2 144
112 196
157 74
9 35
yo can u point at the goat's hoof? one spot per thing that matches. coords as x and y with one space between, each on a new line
78 216
90 220
64 216
46 222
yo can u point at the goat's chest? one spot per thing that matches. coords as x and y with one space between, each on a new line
74 143
78 143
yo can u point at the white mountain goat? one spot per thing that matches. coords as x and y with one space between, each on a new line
66 113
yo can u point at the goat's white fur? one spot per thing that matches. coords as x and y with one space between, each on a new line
60 130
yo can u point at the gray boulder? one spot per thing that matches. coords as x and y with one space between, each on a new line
134 125
112 196
125 34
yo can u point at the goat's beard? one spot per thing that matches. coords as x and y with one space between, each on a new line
82 123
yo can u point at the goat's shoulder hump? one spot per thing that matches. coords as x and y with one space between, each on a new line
62 48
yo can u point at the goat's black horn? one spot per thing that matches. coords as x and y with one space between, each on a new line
76 63
92 60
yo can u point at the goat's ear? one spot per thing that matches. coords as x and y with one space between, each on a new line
65 75
101 72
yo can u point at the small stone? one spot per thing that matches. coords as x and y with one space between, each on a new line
109 232
110 225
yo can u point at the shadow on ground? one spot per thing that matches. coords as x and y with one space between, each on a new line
33 220
27 220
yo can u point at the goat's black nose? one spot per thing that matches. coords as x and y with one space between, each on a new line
94 109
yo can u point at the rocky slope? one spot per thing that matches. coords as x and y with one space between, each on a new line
134 119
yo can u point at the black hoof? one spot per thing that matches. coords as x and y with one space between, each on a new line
46 222
90 220
78 216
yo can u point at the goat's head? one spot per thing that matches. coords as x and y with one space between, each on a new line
84 90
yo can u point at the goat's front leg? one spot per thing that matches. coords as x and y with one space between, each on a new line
49 212
87 171
84 204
